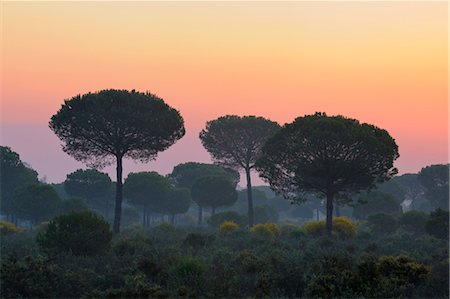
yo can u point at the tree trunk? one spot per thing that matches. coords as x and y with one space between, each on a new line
249 197
200 214
118 207
213 210
172 219
144 218
107 208
329 213
317 213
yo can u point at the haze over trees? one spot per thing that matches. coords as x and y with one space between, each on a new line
107 126
330 155
93 186
14 174
236 142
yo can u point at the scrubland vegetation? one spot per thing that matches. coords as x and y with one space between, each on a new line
335 220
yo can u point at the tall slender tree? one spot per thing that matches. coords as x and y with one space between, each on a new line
107 126
236 142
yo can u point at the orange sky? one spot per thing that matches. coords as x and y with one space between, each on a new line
380 62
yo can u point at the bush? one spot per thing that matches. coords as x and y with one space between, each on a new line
266 229
217 219
228 226
342 226
413 221
8 228
382 223
189 273
82 233
437 226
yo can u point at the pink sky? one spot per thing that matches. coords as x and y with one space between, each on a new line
383 63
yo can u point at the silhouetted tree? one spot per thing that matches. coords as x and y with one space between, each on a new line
73 204
214 192
14 174
37 202
109 125
435 179
236 142
186 174
332 156
149 189
376 202
93 186
178 202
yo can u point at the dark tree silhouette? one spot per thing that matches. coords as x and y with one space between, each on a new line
186 174
109 125
37 202
376 202
435 179
332 156
178 202
236 142
14 174
93 186
214 192
149 190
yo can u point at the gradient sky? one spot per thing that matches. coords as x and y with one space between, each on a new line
383 63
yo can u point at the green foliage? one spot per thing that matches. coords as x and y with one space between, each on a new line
265 214
89 184
82 233
104 127
382 223
196 240
217 219
7 228
315 150
189 273
36 202
438 224
72 205
376 202
186 174
413 221
147 189
14 175
214 192
435 178
266 230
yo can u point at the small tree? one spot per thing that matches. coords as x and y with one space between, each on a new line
37 202
236 142
214 192
148 189
375 202
332 156
186 174
110 125
93 186
178 202
14 174
435 179
82 233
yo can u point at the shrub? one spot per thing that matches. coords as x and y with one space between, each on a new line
217 219
7 228
228 226
413 221
196 240
342 226
437 226
82 233
266 229
187 272
382 223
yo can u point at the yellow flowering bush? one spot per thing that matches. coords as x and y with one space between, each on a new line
228 226
266 229
343 226
7 228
